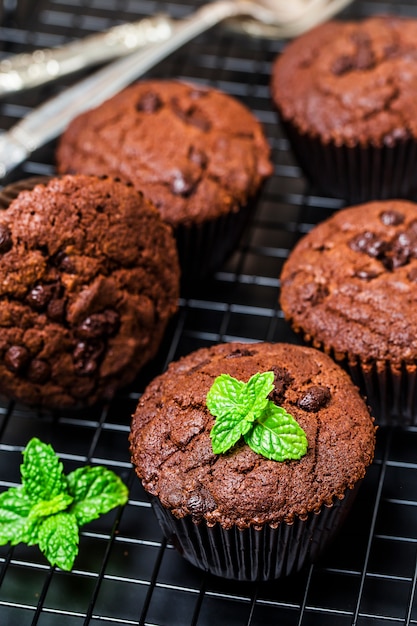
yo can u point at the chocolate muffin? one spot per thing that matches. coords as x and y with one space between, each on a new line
198 154
89 278
350 287
240 514
345 93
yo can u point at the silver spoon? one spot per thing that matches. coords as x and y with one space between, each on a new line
50 119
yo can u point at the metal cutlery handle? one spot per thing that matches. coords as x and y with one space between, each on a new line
23 71
50 119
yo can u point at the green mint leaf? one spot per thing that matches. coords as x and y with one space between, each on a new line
42 472
58 539
276 435
48 507
236 405
44 508
95 490
15 525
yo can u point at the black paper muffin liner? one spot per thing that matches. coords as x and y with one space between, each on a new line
389 389
359 173
254 554
204 247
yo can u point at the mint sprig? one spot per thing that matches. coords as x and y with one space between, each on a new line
243 409
48 508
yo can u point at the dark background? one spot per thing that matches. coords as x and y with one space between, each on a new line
125 574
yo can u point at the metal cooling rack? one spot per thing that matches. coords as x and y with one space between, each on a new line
125 573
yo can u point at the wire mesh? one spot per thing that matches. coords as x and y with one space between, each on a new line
125 572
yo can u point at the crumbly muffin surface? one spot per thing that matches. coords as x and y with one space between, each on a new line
351 82
197 153
88 280
350 284
171 445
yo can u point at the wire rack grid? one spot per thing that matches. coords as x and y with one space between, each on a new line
125 572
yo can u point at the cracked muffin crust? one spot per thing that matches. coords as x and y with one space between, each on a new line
88 281
345 92
171 445
198 154
350 287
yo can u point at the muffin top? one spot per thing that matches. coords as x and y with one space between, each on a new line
350 284
197 153
171 445
351 82
88 280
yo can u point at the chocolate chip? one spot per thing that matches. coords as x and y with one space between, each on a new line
98 325
191 115
149 103
40 295
366 274
17 358
5 239
86 356
315 292
397 258
369 243
391 218
412 275
240 352
64 263
315 398
39 371
182 184
342 65
282 379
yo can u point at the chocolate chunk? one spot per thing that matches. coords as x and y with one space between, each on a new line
150 102
369 243
17 358
191 115
64 263
342 65
98 325
86 357
282 380
315 292
39 371
5 239
366 274
391 218
40 295
240 352
182 184
315 398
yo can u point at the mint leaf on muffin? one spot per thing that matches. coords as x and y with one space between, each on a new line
49 506
277 435
243 409
236 405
